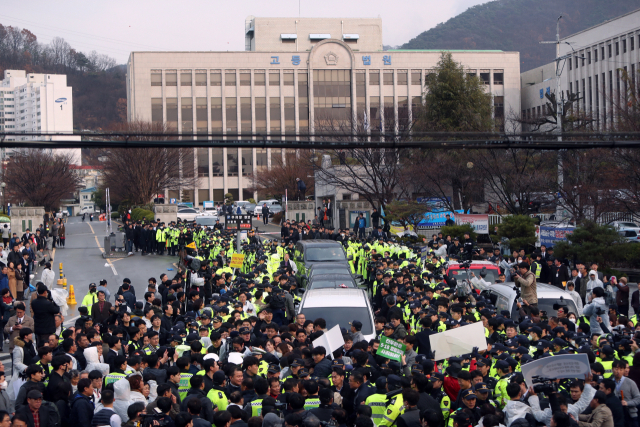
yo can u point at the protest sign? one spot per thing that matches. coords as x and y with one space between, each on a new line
560 366
391 349
455 342
331 340
236 260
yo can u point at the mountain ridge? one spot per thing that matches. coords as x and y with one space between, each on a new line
519 25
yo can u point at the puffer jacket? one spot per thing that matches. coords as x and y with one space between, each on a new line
81 410
122 396
515 409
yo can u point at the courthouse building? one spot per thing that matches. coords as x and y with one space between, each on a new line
295 75
596 61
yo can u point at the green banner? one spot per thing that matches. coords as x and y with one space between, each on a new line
391 349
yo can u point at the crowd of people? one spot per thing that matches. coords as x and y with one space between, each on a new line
216 346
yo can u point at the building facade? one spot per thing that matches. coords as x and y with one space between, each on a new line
34 103
598 58
297 77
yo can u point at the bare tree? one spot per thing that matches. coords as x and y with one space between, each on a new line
375 174
40 178
448 176
282 174
138 174
516 180
574 117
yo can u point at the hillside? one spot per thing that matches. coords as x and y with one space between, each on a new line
519 25
98 84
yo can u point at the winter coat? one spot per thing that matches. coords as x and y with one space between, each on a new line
44 312
529 288
206 413
576 298
94 361
600 417
631 394
515 409
6 404
592 284
81 413
121 394
575 409
591 310
48 415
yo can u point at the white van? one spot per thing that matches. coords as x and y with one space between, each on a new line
88 210
339 307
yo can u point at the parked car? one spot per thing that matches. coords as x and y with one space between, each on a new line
339 307
274 209
503 297
630 236
188 214
206 220
626 225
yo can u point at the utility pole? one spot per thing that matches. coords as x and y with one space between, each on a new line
559 107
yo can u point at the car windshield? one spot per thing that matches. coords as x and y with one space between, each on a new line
628 224
329 253
209 220
319 284
546 305
492 275
342 316
331 270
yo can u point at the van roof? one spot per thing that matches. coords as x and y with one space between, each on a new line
475 264
343 297
544 290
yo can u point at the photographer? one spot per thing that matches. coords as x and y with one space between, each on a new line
573 409
526 280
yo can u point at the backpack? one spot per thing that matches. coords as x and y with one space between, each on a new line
277 302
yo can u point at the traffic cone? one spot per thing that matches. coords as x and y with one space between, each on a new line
72 296
258 216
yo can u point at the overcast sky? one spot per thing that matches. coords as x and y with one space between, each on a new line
116 27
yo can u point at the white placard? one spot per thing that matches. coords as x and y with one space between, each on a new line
331 340
561 366
456 342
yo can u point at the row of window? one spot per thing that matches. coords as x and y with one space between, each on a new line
260 78
585 57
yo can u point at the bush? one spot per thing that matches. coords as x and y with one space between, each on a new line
277 218
519 229
459 231
115 215
408 240
591 242
138 213
251 200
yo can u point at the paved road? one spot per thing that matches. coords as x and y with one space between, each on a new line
83 264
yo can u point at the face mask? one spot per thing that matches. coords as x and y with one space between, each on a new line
530 337
3 385
572 320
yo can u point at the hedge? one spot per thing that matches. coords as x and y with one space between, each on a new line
138 213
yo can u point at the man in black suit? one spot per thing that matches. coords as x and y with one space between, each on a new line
114 347
100 310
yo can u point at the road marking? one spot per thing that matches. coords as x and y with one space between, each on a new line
113 268
92 232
